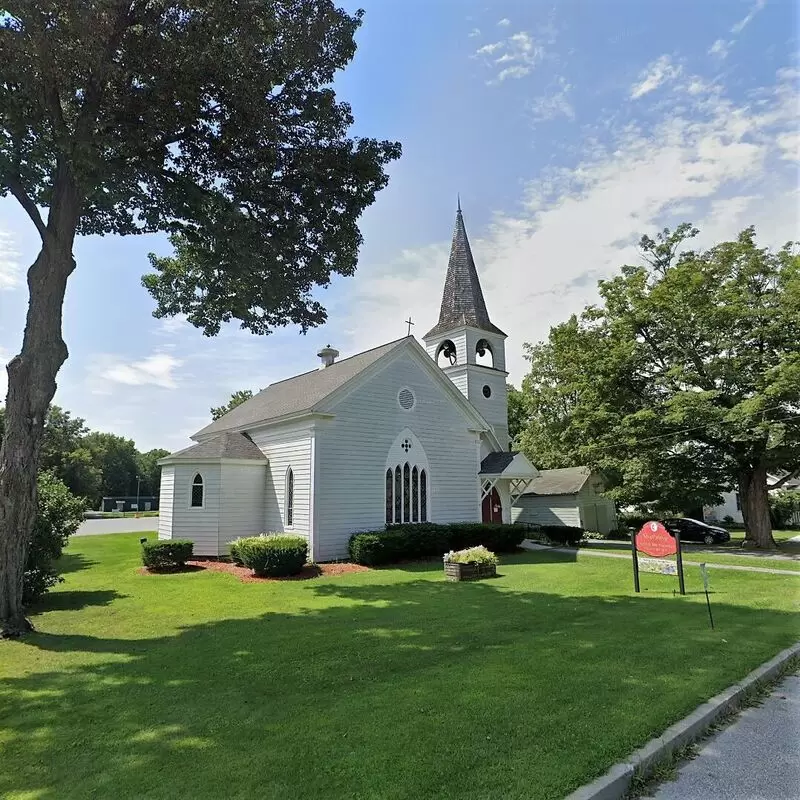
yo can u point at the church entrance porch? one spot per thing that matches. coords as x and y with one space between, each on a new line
491 507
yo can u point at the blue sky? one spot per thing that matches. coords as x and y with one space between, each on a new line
568 128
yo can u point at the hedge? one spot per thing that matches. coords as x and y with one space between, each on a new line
427 539
273 555
165 555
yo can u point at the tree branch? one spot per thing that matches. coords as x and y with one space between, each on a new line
784 480
16 188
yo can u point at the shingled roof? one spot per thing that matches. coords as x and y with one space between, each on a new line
462 299
226 445
559 481
297 395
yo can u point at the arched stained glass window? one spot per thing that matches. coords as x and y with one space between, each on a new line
197 491
415 495
389 498
289 498
423 496
398 494
406 493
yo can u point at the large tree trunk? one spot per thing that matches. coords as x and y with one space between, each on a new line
31 386
755 507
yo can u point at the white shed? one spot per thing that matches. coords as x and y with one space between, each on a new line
570 496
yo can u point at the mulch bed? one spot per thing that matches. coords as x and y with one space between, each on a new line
245 575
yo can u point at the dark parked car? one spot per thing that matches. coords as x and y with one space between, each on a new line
692 530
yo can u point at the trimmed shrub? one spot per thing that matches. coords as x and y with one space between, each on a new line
58 515
427 539
273 555
166 555
234 551
562 534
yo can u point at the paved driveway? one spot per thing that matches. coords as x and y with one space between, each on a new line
756 758
95 527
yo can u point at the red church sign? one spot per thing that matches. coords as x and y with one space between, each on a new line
655 540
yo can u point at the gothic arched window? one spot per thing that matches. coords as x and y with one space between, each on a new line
406 481
289 497
197 491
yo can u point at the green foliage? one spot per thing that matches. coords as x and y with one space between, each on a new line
562 534
235 555
682 382
58 516
518 415
472 555
167 555
424 540
237 398
273 555
785 507
149 471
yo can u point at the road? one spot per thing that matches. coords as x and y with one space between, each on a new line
96 527
757 757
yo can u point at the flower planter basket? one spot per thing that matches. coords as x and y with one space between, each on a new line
468 572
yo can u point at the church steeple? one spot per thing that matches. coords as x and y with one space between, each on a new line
462 299
464 342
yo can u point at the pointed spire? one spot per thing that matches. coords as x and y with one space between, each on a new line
462 299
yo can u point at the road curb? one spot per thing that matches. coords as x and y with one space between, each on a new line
615 784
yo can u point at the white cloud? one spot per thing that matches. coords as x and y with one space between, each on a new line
153 370
720 48
745 21
658 72
9 262
516 56
504 23
708 160
553 105
474 32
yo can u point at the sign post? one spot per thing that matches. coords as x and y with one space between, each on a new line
654 540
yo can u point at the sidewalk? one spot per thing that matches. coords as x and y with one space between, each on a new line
757 757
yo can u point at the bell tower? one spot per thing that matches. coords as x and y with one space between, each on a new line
465 343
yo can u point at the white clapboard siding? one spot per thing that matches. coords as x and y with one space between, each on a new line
286 446
243 493
558 510
352 448
166 499
201 525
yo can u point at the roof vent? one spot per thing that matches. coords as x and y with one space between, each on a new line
328 356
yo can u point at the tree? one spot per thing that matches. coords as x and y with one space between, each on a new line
517 412
685 380
149 471
214 122
117 459
237 398
58 515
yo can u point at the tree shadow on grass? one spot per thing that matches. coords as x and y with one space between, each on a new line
74 562
74 599
401 689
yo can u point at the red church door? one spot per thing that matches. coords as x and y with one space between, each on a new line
492 511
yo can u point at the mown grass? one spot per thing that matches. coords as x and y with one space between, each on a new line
386 684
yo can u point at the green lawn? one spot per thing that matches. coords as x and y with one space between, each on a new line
385 684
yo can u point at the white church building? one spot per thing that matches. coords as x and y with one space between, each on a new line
399 433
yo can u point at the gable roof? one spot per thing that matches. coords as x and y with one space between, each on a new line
298 394
495 463
508 464
559 481
225 445
462 299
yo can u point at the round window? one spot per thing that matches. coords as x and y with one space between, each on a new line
406 399
487 391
